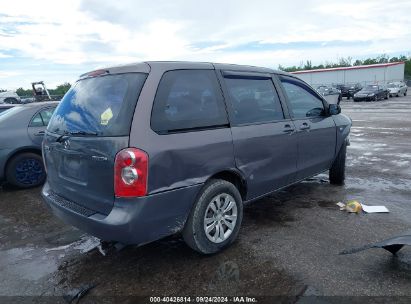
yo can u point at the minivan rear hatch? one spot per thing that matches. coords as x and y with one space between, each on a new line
90 125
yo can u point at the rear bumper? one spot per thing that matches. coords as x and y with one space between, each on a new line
131 221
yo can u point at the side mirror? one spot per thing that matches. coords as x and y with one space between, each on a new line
334 109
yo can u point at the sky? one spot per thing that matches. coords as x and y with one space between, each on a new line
57 40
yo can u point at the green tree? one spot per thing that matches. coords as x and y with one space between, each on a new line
407 70
308 65
61 89
370 61
22 92
357 62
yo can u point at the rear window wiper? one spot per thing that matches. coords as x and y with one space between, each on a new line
83 133
66 134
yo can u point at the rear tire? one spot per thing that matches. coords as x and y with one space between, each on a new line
25 170
337 170
214 196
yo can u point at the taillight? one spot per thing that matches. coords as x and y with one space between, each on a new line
130 173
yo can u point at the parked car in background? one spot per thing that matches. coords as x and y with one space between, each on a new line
397 89
5 106
386 91
9 97
348 90
21 133
330 91
372 92
166 147
28 100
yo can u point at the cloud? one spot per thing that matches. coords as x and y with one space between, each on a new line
69 37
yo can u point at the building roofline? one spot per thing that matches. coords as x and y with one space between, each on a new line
359 67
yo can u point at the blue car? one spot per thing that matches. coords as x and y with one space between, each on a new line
22 130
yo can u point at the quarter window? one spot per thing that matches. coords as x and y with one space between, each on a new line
42 118
46 115
254 100
188 100
303 101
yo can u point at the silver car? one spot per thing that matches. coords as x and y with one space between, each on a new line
397 89
22 130
9 97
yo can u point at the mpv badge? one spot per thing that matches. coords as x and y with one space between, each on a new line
66 144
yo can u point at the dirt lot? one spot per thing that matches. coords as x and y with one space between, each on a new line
288 245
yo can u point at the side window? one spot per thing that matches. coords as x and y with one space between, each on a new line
42 118
254 100
46 115
188 99
303 102
36 121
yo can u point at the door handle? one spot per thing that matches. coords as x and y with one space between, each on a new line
305 126
40 133
288 129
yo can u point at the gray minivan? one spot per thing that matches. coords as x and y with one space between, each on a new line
138 152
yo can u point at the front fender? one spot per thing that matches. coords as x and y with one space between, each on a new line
343 125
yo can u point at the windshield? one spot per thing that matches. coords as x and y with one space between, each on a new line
102 106
371 88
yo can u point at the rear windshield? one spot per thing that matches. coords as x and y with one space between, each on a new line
103 106
9 112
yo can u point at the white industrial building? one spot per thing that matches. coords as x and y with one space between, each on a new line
363 74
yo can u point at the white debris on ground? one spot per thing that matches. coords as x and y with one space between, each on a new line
85 244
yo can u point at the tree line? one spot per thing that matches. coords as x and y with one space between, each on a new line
347 62
59 90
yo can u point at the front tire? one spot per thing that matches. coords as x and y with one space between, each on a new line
26 170
215 220
337 170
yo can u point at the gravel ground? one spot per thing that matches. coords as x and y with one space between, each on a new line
288 245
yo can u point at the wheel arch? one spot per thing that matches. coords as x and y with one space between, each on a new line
234 177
